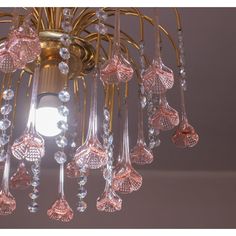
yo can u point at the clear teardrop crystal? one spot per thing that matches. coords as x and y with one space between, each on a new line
62 125
5 124
6 109
64 96
61 141
65 40
81 206
64 53
63 110
63 67
60 157
4 139
8 94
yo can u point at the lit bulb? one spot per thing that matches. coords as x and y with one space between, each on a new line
46 121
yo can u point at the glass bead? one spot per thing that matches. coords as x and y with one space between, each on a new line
65 40
62 125
35 183
183 84
5 124
151 131
3 154
61 141
82 180
60 157
33 207
66 26
64 53
157 143
67 12
4 139
63 110
82 192
6 109
101 28
143 101
142 90
35 169
64 96
110 139
8 94
81 206
101 14
106 114
152 144
34 196
73 144
63 67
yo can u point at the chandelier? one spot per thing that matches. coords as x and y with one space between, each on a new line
59 50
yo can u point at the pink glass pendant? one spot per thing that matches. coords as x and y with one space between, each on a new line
23 44
140 154
92 154
185 136
72 170
61 211
6 60
7 203
30 145
165 118
109 200
158 78
125 178
21 179
117 69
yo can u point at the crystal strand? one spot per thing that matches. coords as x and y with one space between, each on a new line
33 207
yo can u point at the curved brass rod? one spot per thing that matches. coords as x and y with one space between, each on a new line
51 14
78 19
47 17
5 21
36 16
178 19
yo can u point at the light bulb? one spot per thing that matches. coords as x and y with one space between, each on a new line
46 121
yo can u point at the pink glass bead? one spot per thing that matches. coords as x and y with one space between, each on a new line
6 61
109 201
141 155
21 179
60 211
91 154
158 78
72 170
165 118
7 203
29 146
126 179
116 70
185 136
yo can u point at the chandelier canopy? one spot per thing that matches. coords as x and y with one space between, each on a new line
59 50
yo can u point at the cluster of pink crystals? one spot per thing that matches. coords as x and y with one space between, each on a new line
21 47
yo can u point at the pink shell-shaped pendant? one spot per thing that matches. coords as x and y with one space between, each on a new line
116 70
6 60
91 155
109 201
165 118
185 136
158 78
141 155
61 211
126 179
29 146
21 179
7 203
